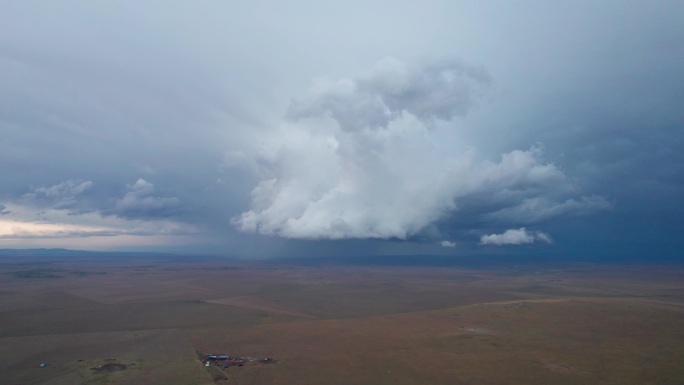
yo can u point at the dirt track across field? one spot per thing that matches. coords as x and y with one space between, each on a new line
256 303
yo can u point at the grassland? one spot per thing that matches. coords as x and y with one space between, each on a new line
589 324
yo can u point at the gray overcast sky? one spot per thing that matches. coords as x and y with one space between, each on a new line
302 128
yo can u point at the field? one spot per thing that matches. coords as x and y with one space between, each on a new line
142 321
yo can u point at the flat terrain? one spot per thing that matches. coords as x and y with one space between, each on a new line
142 321
143 357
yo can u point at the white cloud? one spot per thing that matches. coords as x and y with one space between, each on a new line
437 90
448 244
434 90
328 177
515 237
101 103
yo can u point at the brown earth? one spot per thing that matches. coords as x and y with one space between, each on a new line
588 324
148 357
110 367
255 303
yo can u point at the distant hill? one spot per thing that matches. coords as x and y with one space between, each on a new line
89 254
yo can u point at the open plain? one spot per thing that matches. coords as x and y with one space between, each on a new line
142 320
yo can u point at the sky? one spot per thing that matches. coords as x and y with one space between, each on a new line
306 128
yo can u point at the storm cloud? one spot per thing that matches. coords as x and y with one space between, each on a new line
390 89
284 129
371 164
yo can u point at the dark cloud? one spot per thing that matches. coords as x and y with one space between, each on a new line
141 202
60 196
568 122
534 210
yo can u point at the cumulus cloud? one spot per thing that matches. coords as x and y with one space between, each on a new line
376 153
433 91
142 215
141 202
515 237
62 195
448 244
436 90
367 162
68 188
377 186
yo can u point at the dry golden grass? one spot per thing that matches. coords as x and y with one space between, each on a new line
150 357
255 303
341 325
